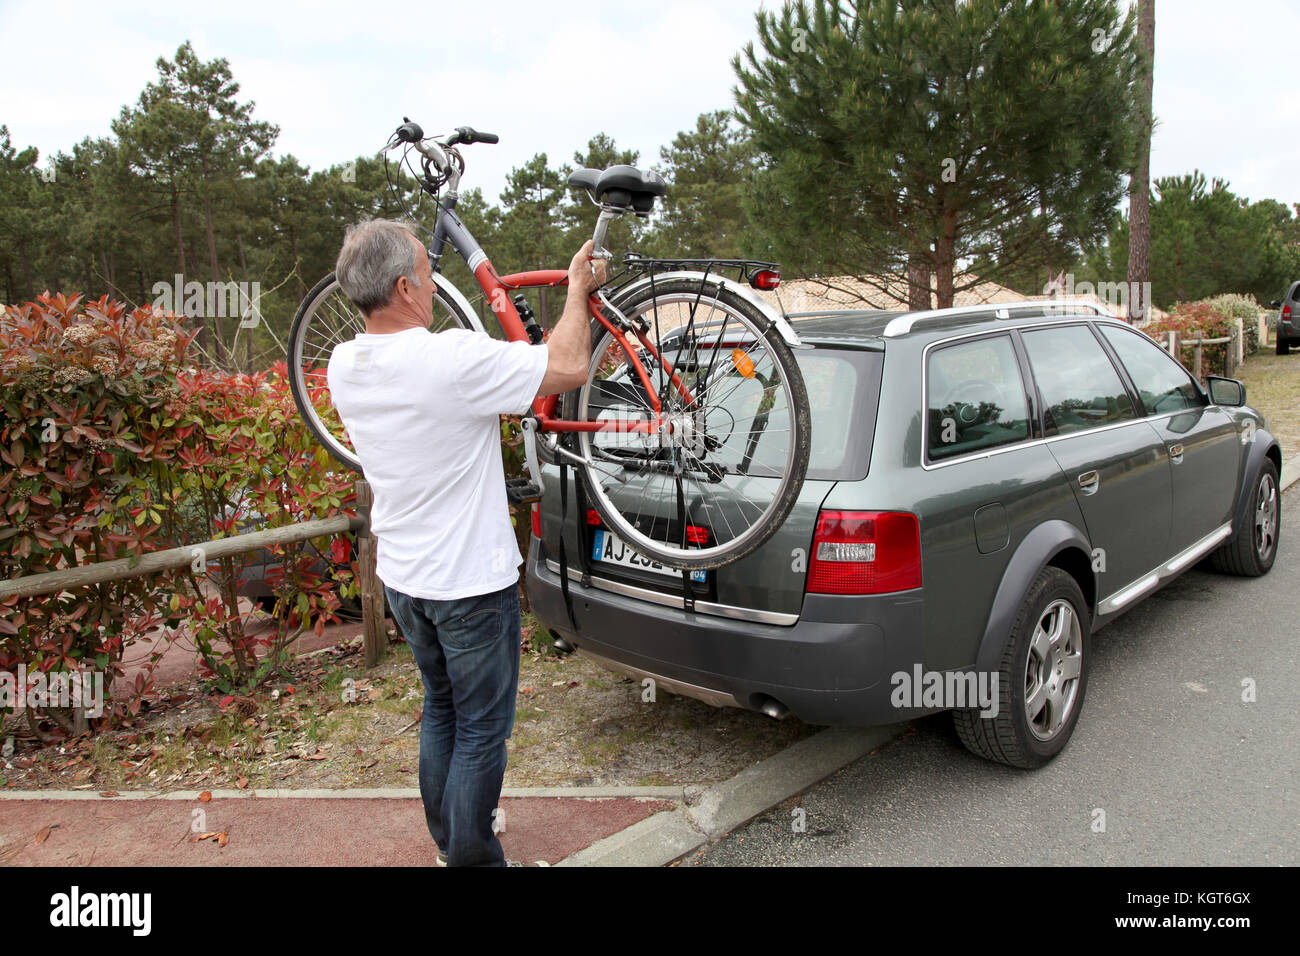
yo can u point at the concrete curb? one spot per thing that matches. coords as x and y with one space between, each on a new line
1290 473
675 794
712 813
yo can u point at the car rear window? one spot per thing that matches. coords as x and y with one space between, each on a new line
843 391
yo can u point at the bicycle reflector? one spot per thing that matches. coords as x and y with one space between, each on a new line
865 552
765 279
744 364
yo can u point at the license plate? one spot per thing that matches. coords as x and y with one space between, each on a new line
611 550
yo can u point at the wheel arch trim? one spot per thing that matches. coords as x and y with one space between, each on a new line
1038 549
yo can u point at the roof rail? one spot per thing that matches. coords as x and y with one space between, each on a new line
1001 310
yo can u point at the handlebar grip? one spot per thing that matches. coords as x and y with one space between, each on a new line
468 134
409 132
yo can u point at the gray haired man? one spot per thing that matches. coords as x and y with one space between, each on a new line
422 411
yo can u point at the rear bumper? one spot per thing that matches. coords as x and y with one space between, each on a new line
832 666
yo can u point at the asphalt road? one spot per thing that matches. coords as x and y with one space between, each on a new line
1186 772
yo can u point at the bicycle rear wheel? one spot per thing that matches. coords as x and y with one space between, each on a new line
326 318
720 481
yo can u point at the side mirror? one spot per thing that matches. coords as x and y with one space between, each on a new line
1276 304
1226 391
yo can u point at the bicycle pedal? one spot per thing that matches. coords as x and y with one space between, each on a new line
522 491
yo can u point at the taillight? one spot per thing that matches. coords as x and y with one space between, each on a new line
593 516
865 552
765 279
1286 313
697 535
537 519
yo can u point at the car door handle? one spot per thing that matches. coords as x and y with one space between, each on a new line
1089 482
1176 453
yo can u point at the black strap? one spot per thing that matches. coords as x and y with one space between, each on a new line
584 553
688 592
564 563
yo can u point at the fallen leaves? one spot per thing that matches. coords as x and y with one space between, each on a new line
221 837
44 834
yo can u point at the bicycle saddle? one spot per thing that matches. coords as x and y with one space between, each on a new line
621 186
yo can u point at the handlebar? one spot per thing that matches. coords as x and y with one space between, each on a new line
410 132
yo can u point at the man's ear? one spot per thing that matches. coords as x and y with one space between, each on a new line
403 288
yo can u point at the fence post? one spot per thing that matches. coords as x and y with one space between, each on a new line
1196 356
1174 345
1232 354
374 636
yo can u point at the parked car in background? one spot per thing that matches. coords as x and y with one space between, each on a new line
1288 319
987 487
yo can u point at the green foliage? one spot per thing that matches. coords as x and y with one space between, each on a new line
1207 240
709 170
938 131
1242 307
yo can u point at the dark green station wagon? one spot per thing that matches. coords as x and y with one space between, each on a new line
987 487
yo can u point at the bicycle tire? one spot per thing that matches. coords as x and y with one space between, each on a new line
577 405
343 318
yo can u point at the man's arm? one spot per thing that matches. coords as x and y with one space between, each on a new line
568 348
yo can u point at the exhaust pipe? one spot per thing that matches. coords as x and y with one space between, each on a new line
561 645
775 709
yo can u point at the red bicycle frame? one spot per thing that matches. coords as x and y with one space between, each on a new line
495 288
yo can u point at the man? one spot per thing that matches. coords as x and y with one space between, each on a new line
422 411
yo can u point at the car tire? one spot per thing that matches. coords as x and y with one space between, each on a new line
1051 674
1283 345
1250 552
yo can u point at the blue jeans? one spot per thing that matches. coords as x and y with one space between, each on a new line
468 654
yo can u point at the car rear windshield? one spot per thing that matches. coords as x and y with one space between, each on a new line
843 390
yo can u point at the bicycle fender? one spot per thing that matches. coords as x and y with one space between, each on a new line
442 285
783 326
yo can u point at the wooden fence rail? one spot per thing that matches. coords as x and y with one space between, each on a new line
372 595
1175 343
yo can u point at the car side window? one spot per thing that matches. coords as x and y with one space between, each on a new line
975 398
1079 385
1163 384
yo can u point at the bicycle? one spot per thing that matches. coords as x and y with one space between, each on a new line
683 357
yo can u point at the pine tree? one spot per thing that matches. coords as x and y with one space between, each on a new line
931 131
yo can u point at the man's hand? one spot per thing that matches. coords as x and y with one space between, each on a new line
568 347
586 275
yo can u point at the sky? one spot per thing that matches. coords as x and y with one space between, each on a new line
337 77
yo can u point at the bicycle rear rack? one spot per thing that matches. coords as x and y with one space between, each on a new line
745 269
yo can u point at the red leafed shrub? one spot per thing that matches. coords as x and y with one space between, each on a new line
112 446
1187 319
85 387
248 463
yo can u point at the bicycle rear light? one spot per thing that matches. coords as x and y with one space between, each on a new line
765 279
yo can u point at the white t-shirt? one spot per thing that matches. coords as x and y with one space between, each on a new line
422 412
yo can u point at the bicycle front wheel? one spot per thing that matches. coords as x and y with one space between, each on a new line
719 480
325 319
